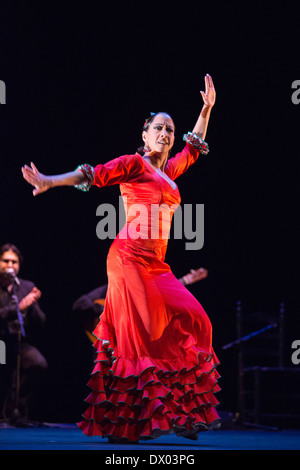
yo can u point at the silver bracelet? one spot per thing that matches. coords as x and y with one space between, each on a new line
89 173
197 142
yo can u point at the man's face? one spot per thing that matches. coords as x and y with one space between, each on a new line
9 260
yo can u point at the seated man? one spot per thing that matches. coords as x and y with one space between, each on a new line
25 364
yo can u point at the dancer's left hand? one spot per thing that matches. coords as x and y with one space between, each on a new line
209 96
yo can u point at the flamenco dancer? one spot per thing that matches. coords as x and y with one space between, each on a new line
155 369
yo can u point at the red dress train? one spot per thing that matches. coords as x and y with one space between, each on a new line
155 369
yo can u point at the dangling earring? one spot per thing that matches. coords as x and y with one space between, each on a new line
146 148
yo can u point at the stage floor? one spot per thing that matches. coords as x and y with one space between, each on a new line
69 437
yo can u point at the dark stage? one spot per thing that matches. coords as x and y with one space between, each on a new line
80 81
69 437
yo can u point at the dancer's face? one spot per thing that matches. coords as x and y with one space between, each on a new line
9 259
161 134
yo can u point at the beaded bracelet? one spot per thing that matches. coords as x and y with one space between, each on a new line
196 142
89 173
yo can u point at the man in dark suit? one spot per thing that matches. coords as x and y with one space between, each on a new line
20 317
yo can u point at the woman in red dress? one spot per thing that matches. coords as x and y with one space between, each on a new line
155 369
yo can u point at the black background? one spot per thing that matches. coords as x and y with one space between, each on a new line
80 80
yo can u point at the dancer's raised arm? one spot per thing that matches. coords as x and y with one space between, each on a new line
43 182
209 98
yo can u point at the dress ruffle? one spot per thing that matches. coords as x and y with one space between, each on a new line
145 398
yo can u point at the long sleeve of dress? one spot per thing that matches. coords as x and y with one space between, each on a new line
123 169
178 165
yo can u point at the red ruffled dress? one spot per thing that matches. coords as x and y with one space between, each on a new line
155 369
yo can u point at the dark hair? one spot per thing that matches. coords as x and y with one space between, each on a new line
11 247
146 126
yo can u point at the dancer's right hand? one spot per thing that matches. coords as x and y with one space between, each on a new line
40 182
